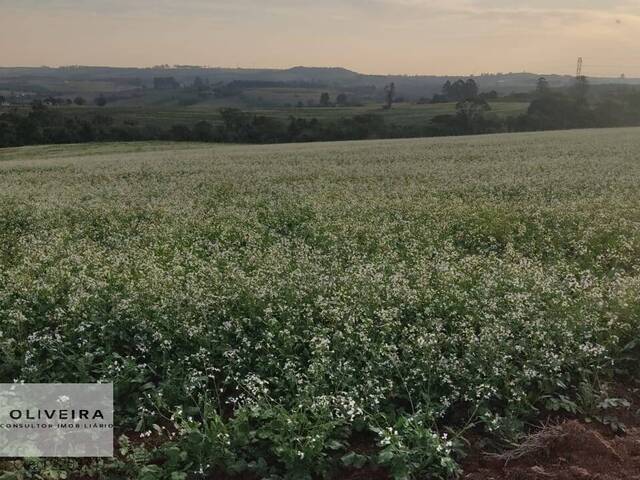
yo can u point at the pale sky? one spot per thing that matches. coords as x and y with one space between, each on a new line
369 36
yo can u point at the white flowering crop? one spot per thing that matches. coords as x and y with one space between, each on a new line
302 290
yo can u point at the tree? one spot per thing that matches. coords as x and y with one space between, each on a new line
556 111
390 92
325 99
199 84
79 101
102 121
446 88
471 89
180 133
101 101
236 125
458 91
542 87
581 88
342 99
203 131
470 114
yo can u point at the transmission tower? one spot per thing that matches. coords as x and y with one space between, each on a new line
579 69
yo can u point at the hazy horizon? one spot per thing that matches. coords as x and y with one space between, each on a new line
412 37
240 67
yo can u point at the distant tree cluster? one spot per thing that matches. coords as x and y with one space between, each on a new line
457 91
549 110
51 101
44 125
556 110
165 83
342 100
242 127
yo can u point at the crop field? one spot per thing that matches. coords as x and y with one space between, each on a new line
318 310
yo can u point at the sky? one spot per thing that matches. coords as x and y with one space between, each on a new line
450 37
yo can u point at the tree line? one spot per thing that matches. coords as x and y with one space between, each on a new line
44 125
549 110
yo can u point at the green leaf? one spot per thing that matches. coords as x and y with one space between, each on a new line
150 472
352 459
385 456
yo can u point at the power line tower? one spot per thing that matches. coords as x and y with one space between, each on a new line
579 69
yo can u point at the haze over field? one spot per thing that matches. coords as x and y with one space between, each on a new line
381 36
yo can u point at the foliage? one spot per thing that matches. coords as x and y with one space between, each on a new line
460 90
549 110
260 308
101 101
411 449
325 99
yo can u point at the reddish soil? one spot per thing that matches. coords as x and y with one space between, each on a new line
572 450
582 453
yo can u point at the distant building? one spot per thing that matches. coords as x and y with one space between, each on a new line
165 83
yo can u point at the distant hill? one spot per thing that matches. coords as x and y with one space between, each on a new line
411 87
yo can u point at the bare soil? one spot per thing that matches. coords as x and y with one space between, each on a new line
571 449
